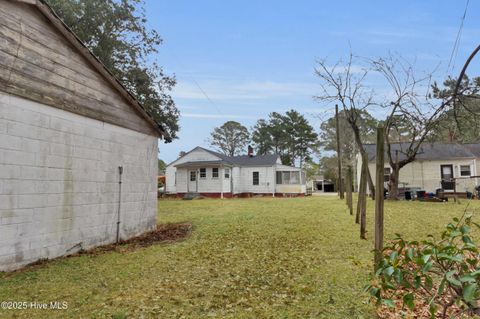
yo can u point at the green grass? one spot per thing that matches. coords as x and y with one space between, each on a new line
251 258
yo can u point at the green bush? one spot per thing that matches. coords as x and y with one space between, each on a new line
443 272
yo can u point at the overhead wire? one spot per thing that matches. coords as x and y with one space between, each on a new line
453 55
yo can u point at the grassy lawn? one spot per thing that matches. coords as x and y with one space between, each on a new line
251 258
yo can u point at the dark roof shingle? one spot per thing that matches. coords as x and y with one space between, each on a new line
430 151
245 160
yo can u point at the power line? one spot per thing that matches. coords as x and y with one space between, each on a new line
206 95
456 45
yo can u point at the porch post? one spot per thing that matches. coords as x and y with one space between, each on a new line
274 181
197 175
222 176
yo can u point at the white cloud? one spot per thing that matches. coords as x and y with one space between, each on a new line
216 116
247 90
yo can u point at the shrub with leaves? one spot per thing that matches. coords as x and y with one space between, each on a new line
438 276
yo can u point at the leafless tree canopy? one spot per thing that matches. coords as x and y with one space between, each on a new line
411 113
343 84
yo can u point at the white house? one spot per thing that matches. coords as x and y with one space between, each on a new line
69 134
214 174
447 166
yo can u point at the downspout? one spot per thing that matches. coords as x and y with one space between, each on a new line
422 175
475 171
120 173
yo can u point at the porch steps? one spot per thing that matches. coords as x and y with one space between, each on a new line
190 196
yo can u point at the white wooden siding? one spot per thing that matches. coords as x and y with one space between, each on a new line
426 174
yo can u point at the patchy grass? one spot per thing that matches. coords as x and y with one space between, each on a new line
246 258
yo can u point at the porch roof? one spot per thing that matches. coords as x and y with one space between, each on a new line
281 167
196 164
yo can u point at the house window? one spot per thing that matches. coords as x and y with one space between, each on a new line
465 170
227 173
215 172
203 173
288 177
294 177
386 174
256 178
193 176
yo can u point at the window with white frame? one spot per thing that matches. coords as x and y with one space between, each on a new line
203 173
386 174
256 178
214 172
193 176
465 170
227 173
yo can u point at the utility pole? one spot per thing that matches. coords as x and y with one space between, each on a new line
379 201
339 154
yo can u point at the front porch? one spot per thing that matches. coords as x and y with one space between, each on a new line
206 178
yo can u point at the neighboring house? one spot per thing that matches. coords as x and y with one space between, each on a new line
447 166
217 175
66 127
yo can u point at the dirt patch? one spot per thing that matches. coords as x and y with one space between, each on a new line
163 234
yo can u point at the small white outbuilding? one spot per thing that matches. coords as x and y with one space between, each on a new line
78 154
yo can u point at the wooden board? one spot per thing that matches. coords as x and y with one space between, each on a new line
38 63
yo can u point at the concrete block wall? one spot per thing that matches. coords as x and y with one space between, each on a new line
59 178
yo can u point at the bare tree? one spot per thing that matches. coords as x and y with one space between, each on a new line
342 83
412 114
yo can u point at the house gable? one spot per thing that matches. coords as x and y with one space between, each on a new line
198 154
42 60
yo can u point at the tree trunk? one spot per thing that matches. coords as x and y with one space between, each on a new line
363 153
380 165
393 183
363 207
339 155
362 198
349 189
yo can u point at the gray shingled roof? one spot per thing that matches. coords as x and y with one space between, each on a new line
430 151
203 163
245 160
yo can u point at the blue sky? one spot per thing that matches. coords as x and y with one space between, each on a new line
255 57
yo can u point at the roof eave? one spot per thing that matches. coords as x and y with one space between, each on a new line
48 12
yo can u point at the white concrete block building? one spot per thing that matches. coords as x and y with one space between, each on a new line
69 134
214 174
